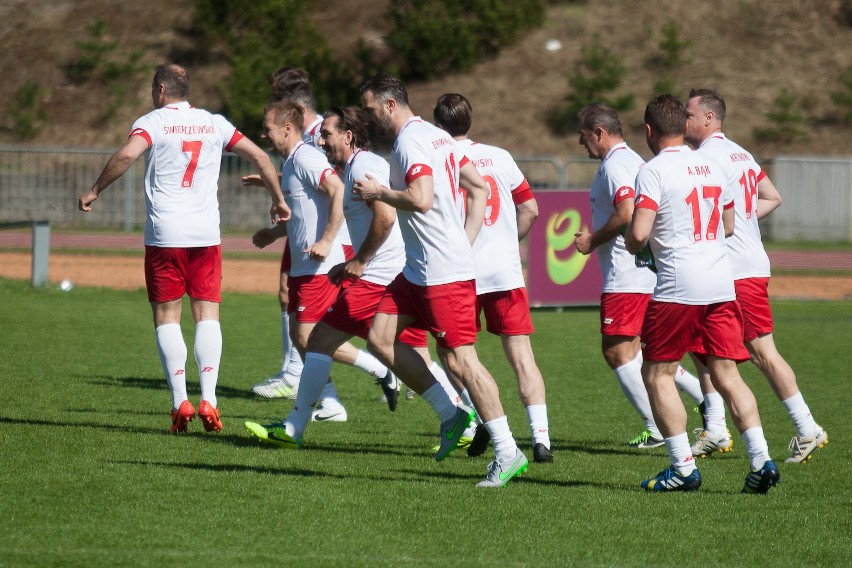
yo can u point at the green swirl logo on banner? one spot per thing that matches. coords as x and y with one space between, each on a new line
560 236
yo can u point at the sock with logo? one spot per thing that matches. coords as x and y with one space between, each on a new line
501 438
756 446
369 364
537 414
689 383
680 453
312 386
800 414
208 355
172 351
630 380
440 401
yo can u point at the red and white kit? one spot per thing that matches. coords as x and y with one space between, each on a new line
182 173
615 182
500 288
745 247
437 283
693 306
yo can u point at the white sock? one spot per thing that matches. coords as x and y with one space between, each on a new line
680 453
313 384
173 358
369 364
208 355
501 437
441 376
464 398
440 401
630 380
756 446
294 366
714 413
800 414
537 414
286 341
689 383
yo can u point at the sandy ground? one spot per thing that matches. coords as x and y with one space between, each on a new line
261 276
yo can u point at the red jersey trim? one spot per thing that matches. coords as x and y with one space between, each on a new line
761 176
463 162
729 206
622 193
645 202
234 140
326 174
143 134
416 171
522 193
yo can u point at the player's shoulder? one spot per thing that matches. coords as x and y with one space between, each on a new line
367 161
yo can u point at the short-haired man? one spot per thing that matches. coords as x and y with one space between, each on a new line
379 259
436 288
755 196
182 241
501 294
684 209
627 288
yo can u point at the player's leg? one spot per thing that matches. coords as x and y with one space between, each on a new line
165 280
722 335
208 356
714 435
531 389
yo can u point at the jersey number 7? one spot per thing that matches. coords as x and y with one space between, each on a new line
193 148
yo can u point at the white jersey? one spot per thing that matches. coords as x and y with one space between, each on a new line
311 136
498 259
688 191
745 247
301 175
390 258
436 247
613 184
182 174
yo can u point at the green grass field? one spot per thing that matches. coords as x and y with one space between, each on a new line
89 476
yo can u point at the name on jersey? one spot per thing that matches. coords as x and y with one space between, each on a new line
187 129
441 142
699 170
740 157
483 162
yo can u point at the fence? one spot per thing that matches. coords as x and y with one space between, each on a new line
44 184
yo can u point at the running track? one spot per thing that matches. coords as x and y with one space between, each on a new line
781 259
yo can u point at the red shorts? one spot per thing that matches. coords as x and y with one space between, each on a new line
670 330
506 313
622 313
310 297
355 308
172 272
753 297
448 311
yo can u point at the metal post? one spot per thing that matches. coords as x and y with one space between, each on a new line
41 252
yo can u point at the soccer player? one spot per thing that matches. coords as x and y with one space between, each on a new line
627 288
182 242
291 83
684 210
379 259
436 288
755 196
315 194
510 212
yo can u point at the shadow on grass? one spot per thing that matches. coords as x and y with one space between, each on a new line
232 468
159 383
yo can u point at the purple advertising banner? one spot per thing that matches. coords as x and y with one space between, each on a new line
557 274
